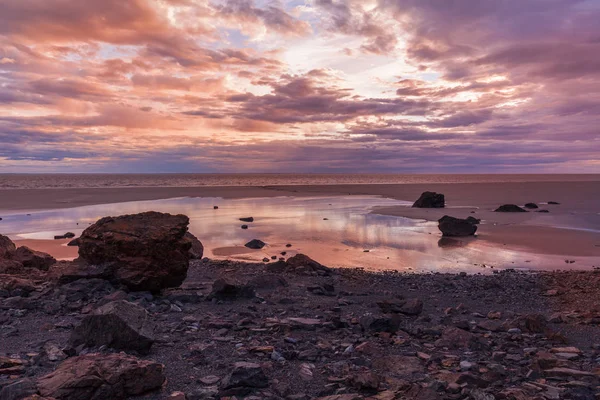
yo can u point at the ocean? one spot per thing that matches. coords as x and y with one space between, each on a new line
48 181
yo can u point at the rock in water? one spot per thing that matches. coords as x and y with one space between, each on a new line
197 249
509 208
456 227
473 220
255 244
97 376
531 206
33 259
247 219
430 200
147 251
121 325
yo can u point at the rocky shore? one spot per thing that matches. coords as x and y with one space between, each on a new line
136 316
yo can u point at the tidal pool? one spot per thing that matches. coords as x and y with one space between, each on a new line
336 231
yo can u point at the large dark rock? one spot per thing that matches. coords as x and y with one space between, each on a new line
247 219
33 259
510 208
255 244
120 325
531 206
97 376
430 200
455 227
147 251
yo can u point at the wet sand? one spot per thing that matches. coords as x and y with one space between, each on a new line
571 228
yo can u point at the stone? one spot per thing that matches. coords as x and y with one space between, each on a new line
7 247
97 376
455 338
196 249
225 290
300 264
456 227
473 220
74 243
52 352
120 325
33 259
531 323
145 252
18 390
255 244
244 226
531 206
68 235
246 375
554 203
365 381
510 208
567 373
412 307
247 219
430 200
268 281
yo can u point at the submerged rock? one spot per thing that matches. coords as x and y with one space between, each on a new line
456 227
247 219
255 244
97 376
68 235
531 206
147 251
509 208
120 325
430 200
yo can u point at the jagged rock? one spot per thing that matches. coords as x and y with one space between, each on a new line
97 376
225 290
74 243
247 219
255 244
246 375
531 206
7 247
456 227
10 283
197 249
33 259
120 324
299 264
430 200
510 208
146 252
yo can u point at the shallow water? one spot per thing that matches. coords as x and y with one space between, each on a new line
336 231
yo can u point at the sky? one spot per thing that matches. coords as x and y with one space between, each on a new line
409 86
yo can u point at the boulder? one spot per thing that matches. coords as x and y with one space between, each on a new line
456 227
455 338
145 252
246 375
74 243
33 259
97 376
197 249
255 244
120 324
7 247
225 290
473 220
509 208
68 235
430 200
299 264
531 206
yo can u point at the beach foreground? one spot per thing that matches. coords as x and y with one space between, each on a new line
346 332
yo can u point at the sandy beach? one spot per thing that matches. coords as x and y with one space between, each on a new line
570 228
